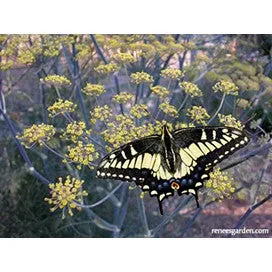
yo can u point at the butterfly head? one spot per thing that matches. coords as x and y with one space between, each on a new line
166 132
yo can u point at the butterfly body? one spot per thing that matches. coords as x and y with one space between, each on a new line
178 161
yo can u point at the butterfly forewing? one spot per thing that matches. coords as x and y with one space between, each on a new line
133 161
207 146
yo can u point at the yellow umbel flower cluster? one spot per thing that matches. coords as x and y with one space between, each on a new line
226 87
122 97
174 48
190 88
83 50
198 114
230 121
221 185
169 109
61 107
36 134
56 80
159 91
180 125
67 194
6 65
141 77
101 113
172 73
124 58
93 89
82 154
139 111
105 69
243 103
26 57
75 130
123 130
150 129
119 131
143 50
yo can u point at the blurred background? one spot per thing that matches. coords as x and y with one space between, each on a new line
121 87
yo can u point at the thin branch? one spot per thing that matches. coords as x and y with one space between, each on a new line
99 222
266 164
157 78
76 74
183 103
98 49
53 151
142 215
250 210
103 199
249 155
183 202
120 214
199 210
191 221
219 108
22 150
104 59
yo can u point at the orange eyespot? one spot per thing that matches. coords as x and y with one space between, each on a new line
175 185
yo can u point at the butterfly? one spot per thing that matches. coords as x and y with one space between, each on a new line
178 161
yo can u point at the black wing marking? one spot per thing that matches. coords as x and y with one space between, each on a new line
201 149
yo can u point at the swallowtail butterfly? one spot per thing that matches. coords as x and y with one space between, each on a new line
178 161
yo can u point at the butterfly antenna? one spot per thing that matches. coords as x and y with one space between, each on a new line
160 205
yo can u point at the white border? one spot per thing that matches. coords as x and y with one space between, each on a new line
141 16
135 255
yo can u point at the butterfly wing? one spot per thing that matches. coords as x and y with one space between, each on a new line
132 161
200 149
141 161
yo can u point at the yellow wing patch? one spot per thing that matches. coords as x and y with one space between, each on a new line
185 157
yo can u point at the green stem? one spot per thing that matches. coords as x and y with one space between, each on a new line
103 199
137 94
249 155
129 85
53 151
167 218
142 214
169 84
99 222
250 210
120 214
58 92
183 103
219 108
